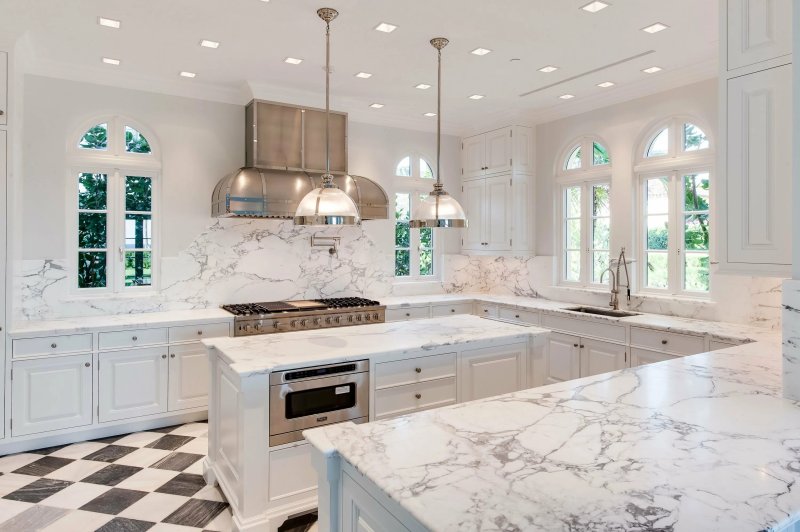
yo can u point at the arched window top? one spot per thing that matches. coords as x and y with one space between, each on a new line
584 155
694 138
675 137
95 138
600 154
115 137
414 166
135 142
573 161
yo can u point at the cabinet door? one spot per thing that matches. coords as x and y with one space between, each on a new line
492 371
758 30
641 357
497 213
133 383
3 89
602 357
189 376
520 198
474 202
759 170
360 512
562 358
3 222
472 156
51 394
498 151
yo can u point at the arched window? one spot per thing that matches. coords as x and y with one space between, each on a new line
415 249
414 166
674 181
584 202
113 176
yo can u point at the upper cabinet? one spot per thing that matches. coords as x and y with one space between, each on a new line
758 31
3 88
509 149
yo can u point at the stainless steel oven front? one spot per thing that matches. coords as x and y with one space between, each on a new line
305 398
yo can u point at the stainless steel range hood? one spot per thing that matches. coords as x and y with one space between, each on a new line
285 157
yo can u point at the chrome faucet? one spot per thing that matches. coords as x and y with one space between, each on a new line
614 289
621 262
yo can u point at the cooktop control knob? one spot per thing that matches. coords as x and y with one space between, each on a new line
337 319
303 322
328 320
275 324
294 324
358 317
376 317
316 321
367 316
350 319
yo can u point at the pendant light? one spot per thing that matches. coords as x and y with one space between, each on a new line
327 205
439 209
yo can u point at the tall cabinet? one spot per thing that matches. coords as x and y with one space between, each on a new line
753 201
4 159
497 191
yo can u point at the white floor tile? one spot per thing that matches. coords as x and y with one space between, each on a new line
77 470
209 493
34 518
143 457
223 522
196 446
154 506
79 520
12 482
198 430
147 479
195 469
166 527
79 450
9 509
138 439
15 461
75 496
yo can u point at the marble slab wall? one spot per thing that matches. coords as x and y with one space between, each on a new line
791 339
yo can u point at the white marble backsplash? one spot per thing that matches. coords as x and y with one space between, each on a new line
791 339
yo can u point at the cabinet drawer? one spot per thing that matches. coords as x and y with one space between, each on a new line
50 345
716 345
192 333
681 344
400 400
486 310
451 310
407 313
595 329
522 316
414 370
133 338
642 357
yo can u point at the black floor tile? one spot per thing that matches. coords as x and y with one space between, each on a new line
185 484
43 466
196 512
170 442
113 501
165 430
301 523
112 453
111 475
177 461
123 524
48 450
110 439
38 490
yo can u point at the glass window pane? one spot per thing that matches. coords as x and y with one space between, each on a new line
695 192
138 193
696 233
92 228
92 191
404 168
599 264
574 159
402 210
658 232
601 204
657 271
135 141
92 269
572 266
600 155
96 138
402 235
694 138
659 145
601 233
426 262
138 268
695 272
658 195
138 231
402 262
426 237
573 199
573 234
425 170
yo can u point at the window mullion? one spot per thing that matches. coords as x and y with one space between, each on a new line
586 211
676 235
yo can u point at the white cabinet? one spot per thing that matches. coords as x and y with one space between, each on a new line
132 383
489 207
562 358
189 377
360 512
758 30
407 313
715 345
3 90
451 309
473 155
601 357
51 394
667 342
505 150
641 357
518 316
492 371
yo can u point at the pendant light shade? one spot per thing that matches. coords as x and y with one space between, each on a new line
439 209
327 205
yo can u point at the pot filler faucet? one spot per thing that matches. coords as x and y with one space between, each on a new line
621 262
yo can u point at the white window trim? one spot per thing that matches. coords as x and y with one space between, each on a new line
675 154
587 169
415 243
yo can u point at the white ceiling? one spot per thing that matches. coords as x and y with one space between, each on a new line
160 38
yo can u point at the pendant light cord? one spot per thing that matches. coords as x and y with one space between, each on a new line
327 178
439 122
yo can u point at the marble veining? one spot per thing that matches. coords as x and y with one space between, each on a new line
703 442
791 339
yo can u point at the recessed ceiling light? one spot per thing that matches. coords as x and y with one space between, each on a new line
430 114
549 68
567 96
109 22
376 105
477 97
655 28
652 70
606 84
423 86
110 61
188 74
209 44
292 60
594 7
385 27
364 75
480 51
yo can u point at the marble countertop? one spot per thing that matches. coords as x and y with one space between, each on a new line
704 442
270 352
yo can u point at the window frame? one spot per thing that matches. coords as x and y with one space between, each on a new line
675 150
586 144
415 242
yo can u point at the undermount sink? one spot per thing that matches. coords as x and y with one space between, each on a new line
603 312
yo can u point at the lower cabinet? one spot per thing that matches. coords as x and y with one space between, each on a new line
562 358
492 371
362 513
188 376
51 394
132 383
640 357
601 357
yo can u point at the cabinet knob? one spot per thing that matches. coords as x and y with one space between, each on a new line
88 364
486 310
2 112
172 355
408 314
516 316
135 338
452 310
199 333
663 342
418 395
53 345
418 370
163 356
574 345
582 346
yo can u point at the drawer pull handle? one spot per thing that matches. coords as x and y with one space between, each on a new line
452 310
582 346
53 346
135 338
408 314
574 345
200 333
163 356
418 370
418 395
486 310
516 316
172 355
663 342
88 364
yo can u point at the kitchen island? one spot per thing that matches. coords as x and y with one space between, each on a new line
413 366
704 442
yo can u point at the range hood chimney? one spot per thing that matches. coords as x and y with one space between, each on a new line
285 159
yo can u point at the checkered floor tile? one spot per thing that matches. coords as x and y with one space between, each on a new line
142 481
